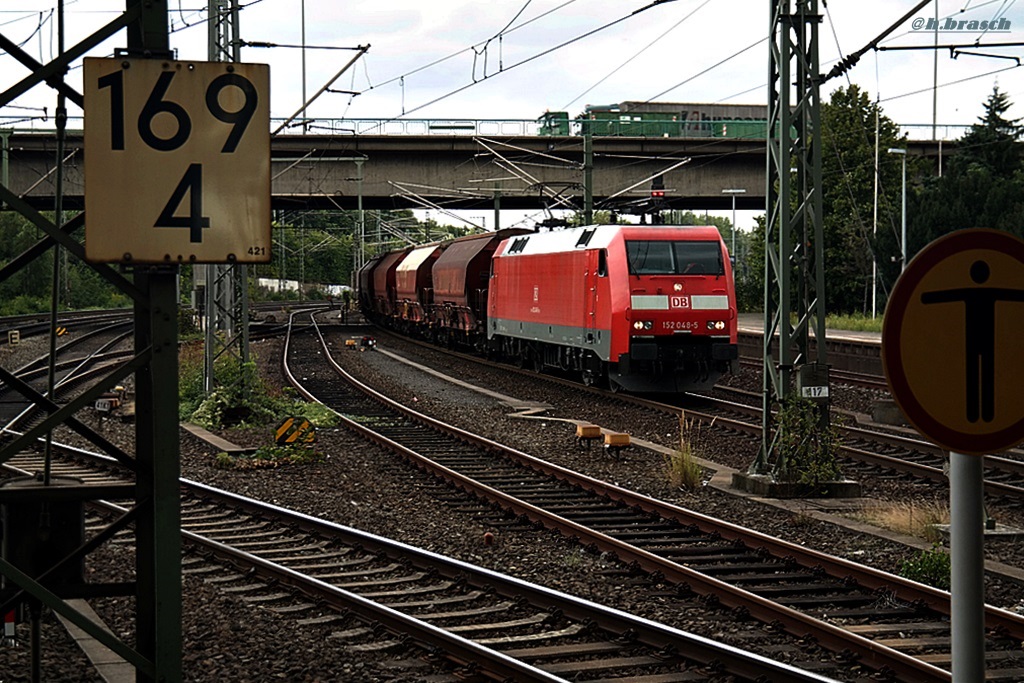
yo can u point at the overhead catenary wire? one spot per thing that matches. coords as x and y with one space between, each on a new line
464 50
713 66
497 36
956 82
635 55
540 54
881 47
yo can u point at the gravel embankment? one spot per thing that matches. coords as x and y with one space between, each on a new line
361 485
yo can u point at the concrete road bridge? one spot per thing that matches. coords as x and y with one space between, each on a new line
457 164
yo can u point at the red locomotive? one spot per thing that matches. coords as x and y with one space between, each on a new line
644 308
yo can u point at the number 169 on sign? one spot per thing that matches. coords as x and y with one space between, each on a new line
177 161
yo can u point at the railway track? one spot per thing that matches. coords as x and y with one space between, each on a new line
853 359
889 624
728 564
380 592
492 626
870 450
865 451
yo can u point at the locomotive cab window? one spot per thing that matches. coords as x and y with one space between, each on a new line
663 257
602 263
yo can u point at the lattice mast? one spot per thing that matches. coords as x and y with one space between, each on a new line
226 292
794 295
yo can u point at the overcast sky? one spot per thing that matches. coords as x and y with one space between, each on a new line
515 59
667 52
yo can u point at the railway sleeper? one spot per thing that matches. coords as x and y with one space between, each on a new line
488 611
533 620
945 659
779 593
449 600
873 613
606 664
569 631
536 654
805 602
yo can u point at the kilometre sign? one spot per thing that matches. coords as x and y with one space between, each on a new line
177 161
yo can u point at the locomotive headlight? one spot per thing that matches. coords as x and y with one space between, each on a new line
643 325
716 324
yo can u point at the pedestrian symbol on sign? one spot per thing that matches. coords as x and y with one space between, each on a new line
979 336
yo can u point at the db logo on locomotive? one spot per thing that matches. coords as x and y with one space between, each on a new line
679 301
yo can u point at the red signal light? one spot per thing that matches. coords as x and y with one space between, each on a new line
657 193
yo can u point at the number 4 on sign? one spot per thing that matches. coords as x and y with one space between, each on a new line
195 221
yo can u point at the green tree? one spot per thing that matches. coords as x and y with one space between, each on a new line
318 247
991 144
982 185
29 289
848 163
750 286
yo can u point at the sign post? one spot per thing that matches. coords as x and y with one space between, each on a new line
177 171
950 350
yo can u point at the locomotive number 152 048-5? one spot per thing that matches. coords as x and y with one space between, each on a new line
680 325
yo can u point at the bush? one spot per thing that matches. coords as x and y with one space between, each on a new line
855 323
241 399
807 453
931 567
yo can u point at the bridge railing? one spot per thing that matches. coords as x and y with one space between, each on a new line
469 127
744 129
942 131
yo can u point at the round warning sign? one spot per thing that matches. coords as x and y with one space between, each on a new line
951 341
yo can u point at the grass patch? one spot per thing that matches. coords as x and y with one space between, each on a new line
854 323
268 457
682 469
242 399
913 519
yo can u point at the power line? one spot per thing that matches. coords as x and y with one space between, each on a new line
468 49
538 55
637 54
713 66
956 82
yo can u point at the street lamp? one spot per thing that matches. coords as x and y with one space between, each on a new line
903 223
734 192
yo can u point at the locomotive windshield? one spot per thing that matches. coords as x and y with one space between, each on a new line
663 257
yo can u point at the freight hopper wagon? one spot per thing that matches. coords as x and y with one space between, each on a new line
460 278
645 308
435 291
